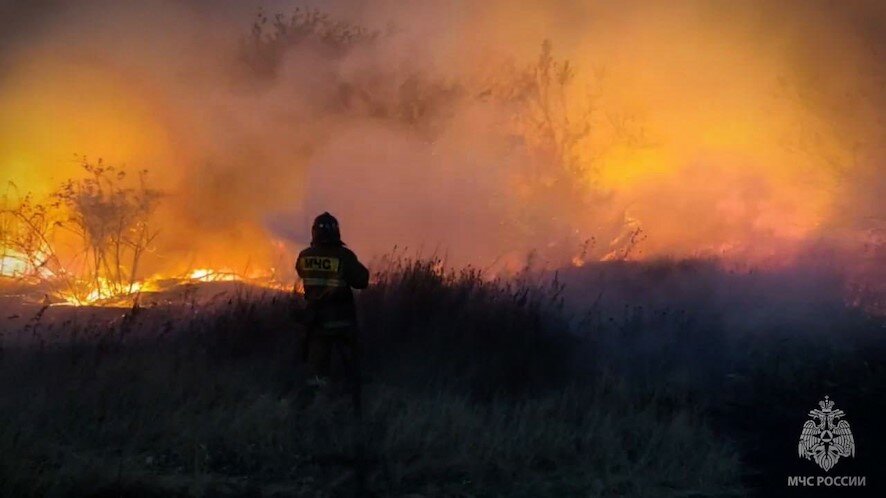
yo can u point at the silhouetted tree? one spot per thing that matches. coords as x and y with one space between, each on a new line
113 219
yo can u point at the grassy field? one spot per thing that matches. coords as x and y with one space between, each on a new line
657 379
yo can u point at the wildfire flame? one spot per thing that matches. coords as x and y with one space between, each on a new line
211 275
12 266
668 130
106 293
104 289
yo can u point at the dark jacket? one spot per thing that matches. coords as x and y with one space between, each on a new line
328 272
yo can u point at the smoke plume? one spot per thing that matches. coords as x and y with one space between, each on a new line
750 130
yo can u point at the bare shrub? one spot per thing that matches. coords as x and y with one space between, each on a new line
565 138
113 220
27 231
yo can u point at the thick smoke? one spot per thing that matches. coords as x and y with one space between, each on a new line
745 130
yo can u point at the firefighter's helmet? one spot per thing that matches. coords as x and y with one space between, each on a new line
325 230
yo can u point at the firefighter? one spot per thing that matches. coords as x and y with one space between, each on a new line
329 271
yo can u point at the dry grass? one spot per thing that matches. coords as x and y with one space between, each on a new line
477 388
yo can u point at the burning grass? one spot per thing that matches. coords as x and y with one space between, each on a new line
476 387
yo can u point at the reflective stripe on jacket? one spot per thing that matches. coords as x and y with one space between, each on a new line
328 273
